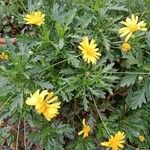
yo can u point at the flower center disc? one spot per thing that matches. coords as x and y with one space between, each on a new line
89 51
133 27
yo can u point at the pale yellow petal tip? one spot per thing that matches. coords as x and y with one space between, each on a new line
83 122
144 29
28 102
80 132
48 119
85 38
133 16
104 143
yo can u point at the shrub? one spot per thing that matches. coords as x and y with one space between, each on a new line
73 49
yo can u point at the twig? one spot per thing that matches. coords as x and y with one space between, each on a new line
13 131
17 140
25 144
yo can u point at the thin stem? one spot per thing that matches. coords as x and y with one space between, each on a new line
147 11
24 7
25 144
138 73
47 39
61 62
104 122
102 2
130 146
7 101
18 130
101 118
62 88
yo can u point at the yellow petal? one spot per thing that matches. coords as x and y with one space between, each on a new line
128 20
105 144
47 117
30 101
133 17
81 48
123 29
80 132
49 96
121 146
92 43
85 135
136 19
52 99
144 29
128 36
86 39
44 93
123 22
83 122
125 33
55 105
33 99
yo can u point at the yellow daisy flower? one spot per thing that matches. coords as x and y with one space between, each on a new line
86 129
44 103
132 26
125 47
36 18
89 50
3 56
141 138
115 141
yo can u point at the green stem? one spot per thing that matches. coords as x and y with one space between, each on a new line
24 7
60 62
62 88
7 101
101 117
138 73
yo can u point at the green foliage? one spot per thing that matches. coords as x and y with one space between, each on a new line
115 90
53 136
86 82
4 134
82 144
134 123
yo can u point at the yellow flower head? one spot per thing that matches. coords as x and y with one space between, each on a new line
141 138
89 50
125 47
115 141
3 56
44 103
86 129
36 18
132 26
